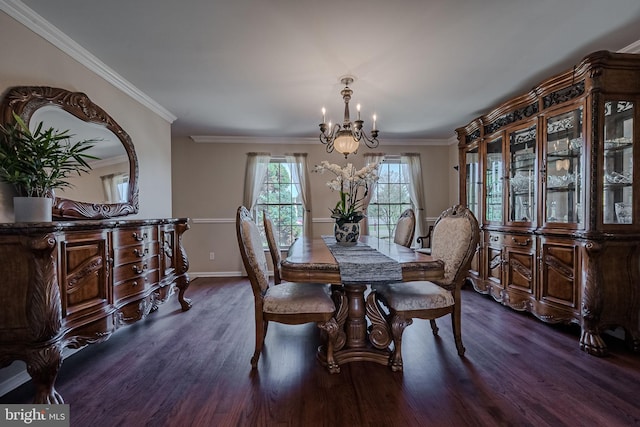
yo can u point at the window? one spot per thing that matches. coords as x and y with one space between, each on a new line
390 198
116 187
280 198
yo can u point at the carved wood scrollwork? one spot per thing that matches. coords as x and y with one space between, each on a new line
472 136
556 264
44 310
564 94
592 303
496 261
523 270
514 116
340 301
43 364
379 331
89 267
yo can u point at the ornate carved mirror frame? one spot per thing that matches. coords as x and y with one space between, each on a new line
25 100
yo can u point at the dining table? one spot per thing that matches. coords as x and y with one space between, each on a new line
364 330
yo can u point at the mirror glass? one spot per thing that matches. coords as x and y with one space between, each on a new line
110 188
108 180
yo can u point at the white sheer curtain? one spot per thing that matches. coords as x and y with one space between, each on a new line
368 159
301 175
413 175
113 186
254 177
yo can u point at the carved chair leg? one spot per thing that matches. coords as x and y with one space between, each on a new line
456 316
43 365
434 327
398 325
331 329
261 332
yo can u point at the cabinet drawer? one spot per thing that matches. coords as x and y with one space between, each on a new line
135 253
134 236
134 269
136 285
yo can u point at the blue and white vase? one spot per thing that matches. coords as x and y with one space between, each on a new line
347 234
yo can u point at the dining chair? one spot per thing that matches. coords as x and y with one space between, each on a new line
289 303
405 228
454 240
425 242
274 249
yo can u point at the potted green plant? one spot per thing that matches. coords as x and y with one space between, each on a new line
36 163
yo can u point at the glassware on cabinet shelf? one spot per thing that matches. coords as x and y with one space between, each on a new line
563 168
522 150
472 160
618 162
493 181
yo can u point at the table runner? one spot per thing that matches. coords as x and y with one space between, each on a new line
362 264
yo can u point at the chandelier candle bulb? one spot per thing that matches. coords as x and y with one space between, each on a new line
323 114
374 122
358 108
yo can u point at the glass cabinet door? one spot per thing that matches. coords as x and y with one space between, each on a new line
618 164
522 175
563 168
493 181
473 181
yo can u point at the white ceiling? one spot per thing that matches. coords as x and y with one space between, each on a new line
267 67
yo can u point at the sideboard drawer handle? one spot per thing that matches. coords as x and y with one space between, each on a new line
140 254
139 270
134 284
139 238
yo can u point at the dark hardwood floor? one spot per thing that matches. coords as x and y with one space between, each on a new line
192 369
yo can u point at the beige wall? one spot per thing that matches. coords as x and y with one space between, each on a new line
208 182
28 59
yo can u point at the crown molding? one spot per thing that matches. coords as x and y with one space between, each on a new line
219 139
36 23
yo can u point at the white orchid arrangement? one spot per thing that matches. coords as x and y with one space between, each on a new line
353 186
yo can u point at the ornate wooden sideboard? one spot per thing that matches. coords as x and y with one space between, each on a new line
553 177
69 284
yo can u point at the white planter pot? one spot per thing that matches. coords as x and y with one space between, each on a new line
32 209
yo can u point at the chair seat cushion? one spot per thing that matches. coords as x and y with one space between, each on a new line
292 298
418 295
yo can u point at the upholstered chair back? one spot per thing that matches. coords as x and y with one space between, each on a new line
250 244
405 228
454 241
274 249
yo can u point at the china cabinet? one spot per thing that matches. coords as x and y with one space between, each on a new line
550 177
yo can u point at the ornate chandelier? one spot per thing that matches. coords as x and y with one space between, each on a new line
346 138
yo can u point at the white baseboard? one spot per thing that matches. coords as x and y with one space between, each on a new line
9 380
14 381
193 275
